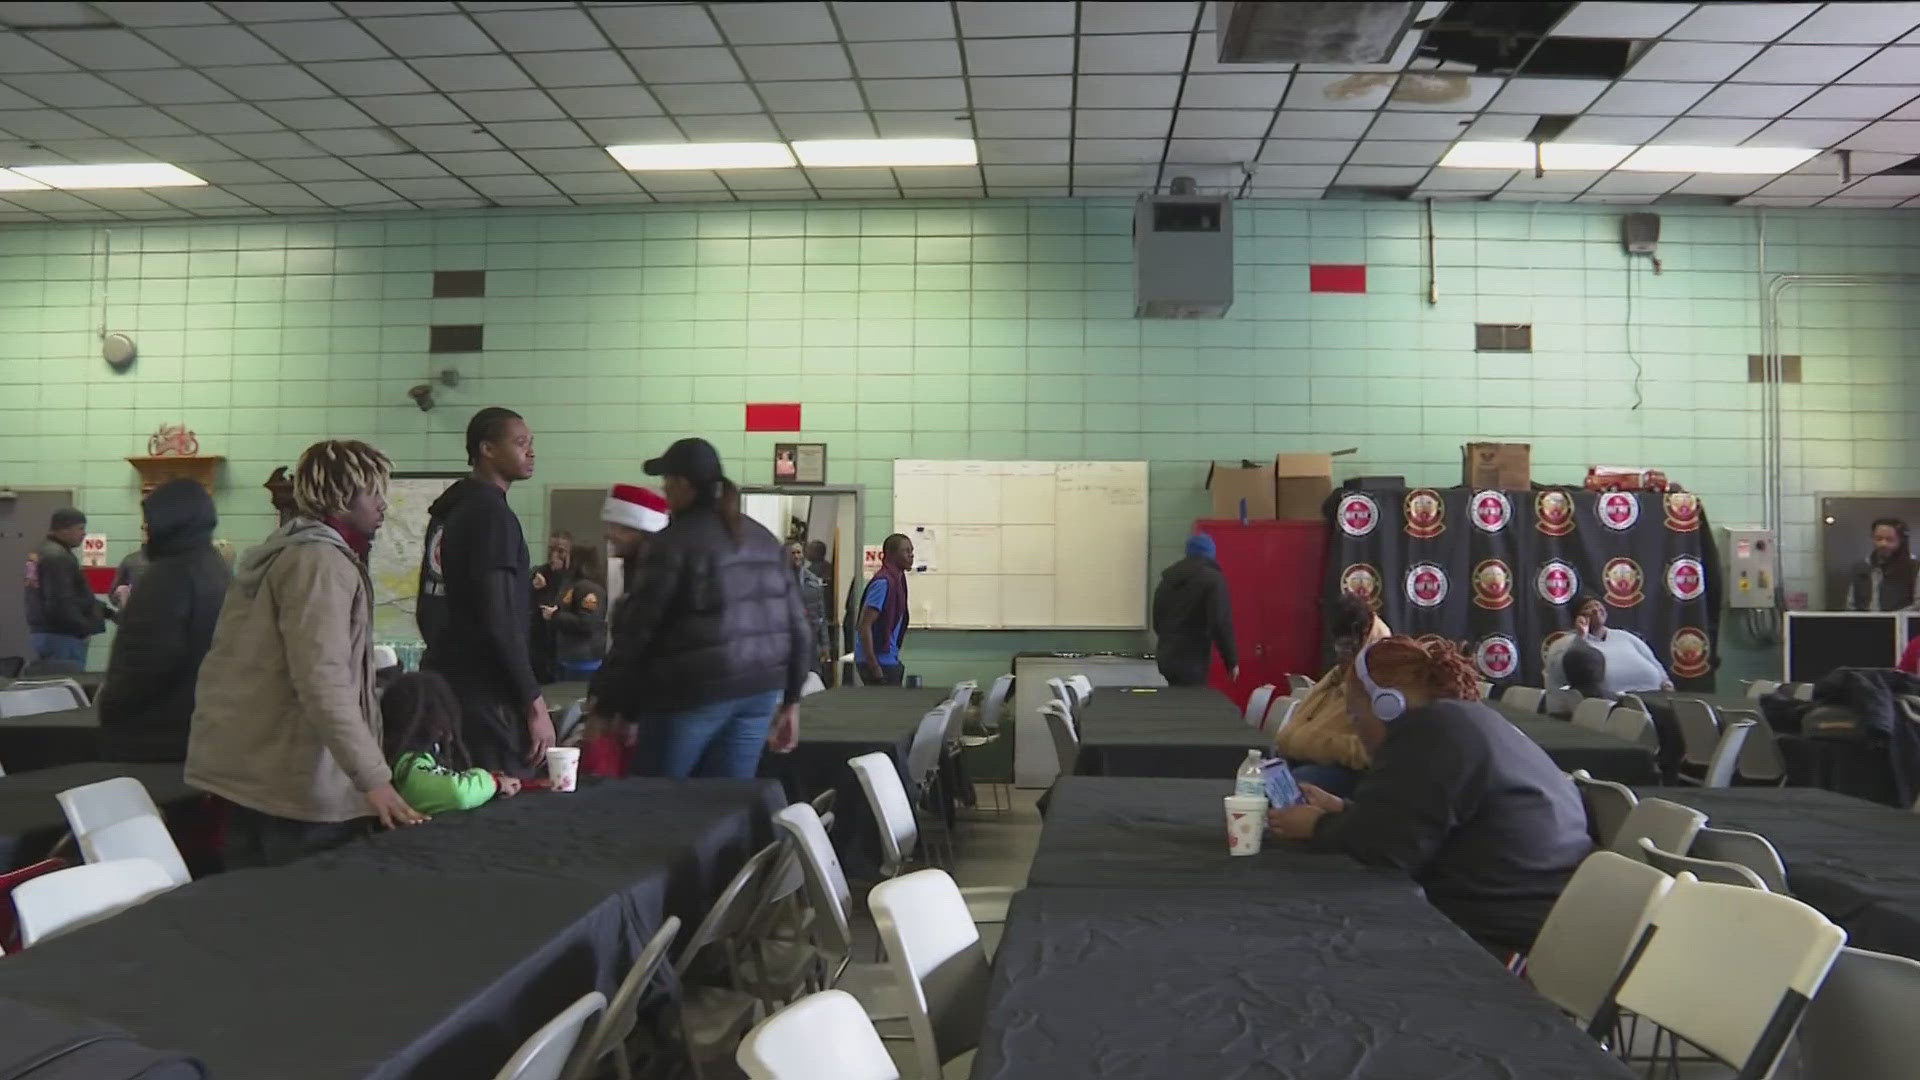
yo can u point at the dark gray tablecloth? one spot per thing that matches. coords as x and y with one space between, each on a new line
44 740
427 953
1570 747
31 821
1152 984
1856 861
1163 731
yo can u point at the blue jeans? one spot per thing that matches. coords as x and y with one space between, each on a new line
579 670
723 739
59 647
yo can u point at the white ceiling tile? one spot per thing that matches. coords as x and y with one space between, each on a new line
825 125
17 54
1757 101
1128 91
821 96
447 138
1024 92
1708 184
370 77
1708 131
921 125
493 105
169 86
777 23
1122 123
1895 66
321 113
1319 124
684 65
768 62
1417 125
989 18
411 109
1856 102
432 187
1691 61
299 170
1294 176
1328 91
1221 124
1234 91
395 7
268 82
894 22
1304 152
1865 24
1620 20
242 172
1810 134
482 163
1023 123
1382 152
1117 151
632 129
495 72
1438 91
1802 63
223 118
600 183
39 125
1547 96
1380 176
210 46
260 145
430 35
916 93
1637 183
161 13
738 127
321 39
1025 174
584 159
126 200
131 120
1022 151
270 10
1901 136
1206 58
538 31
1903 186
1113 17
1818 184
348 192
697 98
597 101
71 89
1648 98
656 25
1500 126
1552 182
1628 130
539 134
1133 177
1446 182
103 49
1019 56
1740 22
356 141
906 59
586 68
764 179
92 151
683 182
276 196
928 177
1910 111
1122 53
184 148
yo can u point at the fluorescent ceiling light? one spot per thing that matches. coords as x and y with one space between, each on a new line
1567 157
883 153
13 181
1760 160
143 174
676 157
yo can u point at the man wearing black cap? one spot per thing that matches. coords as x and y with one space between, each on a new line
62 612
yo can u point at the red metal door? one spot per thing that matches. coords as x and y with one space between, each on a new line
1275 571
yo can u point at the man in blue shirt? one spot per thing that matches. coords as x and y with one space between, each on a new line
883 616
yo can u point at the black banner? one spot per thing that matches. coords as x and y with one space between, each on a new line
1500 572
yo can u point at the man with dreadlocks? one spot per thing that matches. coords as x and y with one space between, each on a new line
286 727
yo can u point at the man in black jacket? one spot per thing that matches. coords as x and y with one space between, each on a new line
475 600
62 612
166 627
1192 616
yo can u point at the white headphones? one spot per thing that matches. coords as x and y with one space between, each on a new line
1388 704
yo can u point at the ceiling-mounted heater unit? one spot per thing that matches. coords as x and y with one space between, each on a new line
1182 254
1311 33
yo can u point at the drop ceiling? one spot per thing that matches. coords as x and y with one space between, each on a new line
301 107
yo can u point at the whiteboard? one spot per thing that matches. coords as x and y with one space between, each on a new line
1025 544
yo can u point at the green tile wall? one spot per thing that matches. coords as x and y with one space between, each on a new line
993 329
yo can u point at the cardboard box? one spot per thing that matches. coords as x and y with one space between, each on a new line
1302 483
1231 482
1504 466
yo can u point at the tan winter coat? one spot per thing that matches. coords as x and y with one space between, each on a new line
286 721
1319 730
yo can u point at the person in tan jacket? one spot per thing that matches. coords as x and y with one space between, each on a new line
1319 738
286 727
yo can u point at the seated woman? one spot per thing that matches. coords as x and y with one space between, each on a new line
1318 739
1467 805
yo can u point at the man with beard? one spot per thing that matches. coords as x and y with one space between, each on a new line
1885 580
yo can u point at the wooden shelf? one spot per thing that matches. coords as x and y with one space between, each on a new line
155 471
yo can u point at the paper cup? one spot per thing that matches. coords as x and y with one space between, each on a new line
563 767
1246 823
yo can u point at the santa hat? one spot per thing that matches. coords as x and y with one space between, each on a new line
635 507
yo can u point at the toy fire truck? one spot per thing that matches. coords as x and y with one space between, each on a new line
1607 478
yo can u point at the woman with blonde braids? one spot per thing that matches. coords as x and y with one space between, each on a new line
1463 802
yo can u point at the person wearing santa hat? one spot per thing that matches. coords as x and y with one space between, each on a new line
631 513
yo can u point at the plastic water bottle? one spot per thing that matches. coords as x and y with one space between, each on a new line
1248 779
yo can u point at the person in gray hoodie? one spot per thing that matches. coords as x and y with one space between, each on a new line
286 726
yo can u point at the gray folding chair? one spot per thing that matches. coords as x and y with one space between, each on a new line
1608 804
1279 715
546 1053
1669 825
1257 703
1631 725
1592 930
609 1037
1861 1023
1523 698
1751 850
1721 873
1760 688
1591 713
1298 685
1699 737
1066 742
1726 757
1760 760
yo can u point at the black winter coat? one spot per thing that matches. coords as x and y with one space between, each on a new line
709 619
1192 615
146 702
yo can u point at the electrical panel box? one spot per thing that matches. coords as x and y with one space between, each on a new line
1752 559
1182 256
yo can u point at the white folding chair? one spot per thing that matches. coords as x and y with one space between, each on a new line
1635 702
69 899
35 700
1298 685
1760 688
1632 726
963 692
994 709
923 771
1486 690
823 1036
616 1024
1607 803
900 833
1751 850
1057 690
1066 741
1523 698
1699 736
1279 715
117 819
1591 713
712 1016
1592 929
1861 1024
105 802
1728 969
545 1054
1669 825
828 893
1726 756
1082 688
71 686
1803 691
1257 703
812 684
939 965
1760 760
1720 873
569 722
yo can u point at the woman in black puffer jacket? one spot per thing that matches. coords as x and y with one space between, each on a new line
710 643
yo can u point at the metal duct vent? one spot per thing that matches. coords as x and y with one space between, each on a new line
1267 33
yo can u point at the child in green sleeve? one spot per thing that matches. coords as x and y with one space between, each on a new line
431 770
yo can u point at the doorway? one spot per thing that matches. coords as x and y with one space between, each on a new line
832 516
24 516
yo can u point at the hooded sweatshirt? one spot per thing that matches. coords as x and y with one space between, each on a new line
475 602
285 720
146 703
1191 613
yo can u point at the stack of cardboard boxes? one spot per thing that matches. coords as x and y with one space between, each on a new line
1295 486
